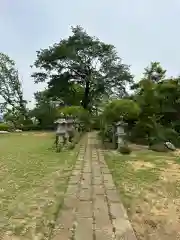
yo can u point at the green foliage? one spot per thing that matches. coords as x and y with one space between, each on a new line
152 111
71 145
32 127
106 132
95 124
45 111
125 149
70 95
159 147
4 127
122 107
45 114
11 88
86 61
77 137
159 101
77 112
87 75
155 72
165 135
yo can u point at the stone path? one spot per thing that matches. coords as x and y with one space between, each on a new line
92 208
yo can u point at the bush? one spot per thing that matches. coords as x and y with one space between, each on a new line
126 108
106 133
140 132
172 136
77 112
70 146
113 111
4 127
95 123
164 134
125 149
77 137
31 127
159 147
151 132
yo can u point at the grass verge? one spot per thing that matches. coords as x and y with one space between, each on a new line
33 178
149 186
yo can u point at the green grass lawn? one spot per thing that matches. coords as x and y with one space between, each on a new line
149 186
33 178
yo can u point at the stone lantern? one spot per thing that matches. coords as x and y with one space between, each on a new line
70 128
77 125
120 133
61 129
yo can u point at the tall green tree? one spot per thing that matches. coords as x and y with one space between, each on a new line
159 101
45 110
168 97
84 60
11 92
146 95
155 72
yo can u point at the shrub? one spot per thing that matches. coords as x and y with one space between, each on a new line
141 132
4 127
70 146
159 147
172 136
125 149
31 127
163 134
95 124
122 107
149 131
77 112
126 108
106 133
77 137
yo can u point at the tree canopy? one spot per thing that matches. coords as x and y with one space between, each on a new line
86 61
44 111
11 92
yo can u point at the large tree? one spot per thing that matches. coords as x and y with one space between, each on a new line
84 60
45 110
11 93
159 101
155 72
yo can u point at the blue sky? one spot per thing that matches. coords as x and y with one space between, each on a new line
141 30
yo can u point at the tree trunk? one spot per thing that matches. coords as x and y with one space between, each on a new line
23 107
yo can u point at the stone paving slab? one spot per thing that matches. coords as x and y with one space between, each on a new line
92 209
84 229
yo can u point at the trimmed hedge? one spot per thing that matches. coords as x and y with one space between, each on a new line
4 127
31 127
35 127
